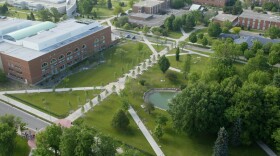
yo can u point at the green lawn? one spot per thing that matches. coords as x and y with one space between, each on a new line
22 148
56 103
158 47
174 143
175 34
199 63
115 66
101 116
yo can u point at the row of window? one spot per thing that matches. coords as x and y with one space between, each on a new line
45 64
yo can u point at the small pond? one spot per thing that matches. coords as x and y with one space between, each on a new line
160 99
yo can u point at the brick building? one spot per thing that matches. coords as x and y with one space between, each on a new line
256 20
217 3
35 53
151 6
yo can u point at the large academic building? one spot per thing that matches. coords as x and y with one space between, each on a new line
31 52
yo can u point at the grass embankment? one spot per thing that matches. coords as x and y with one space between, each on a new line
115 66
56 104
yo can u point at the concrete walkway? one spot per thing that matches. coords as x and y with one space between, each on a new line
267 150
145 132
51 90
22 106
175 69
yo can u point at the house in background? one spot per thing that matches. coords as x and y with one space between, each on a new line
221 18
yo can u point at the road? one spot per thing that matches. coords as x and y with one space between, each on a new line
31 121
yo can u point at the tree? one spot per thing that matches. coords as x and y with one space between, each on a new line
236 30
273 32
55 14
276 79
158 132
221 144
204 41
104 146
189 21
256 46
259 77
200 35
243 46
149 107
3 77
109 4
168 23
102 2
214 29
118 10
236 131
120 120
187 65
44 15
49 140
248 54
177 54
276 138
32 17
69 141
161 120
4 9
193 37
274 57
163 63
176 4
176 25
145 29
85 6
209 103
130 3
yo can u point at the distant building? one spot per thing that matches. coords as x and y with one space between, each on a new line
256 20
151 6
251 39
34 53
63 6
248 39
217 3
196 7
260 2
221 18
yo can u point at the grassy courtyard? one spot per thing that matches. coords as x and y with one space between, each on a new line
115 65
101 116
56 104
175 34
21 148
158 47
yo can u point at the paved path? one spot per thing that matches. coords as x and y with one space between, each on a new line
50 90
22 106
145 132
175 69
267 150
32 123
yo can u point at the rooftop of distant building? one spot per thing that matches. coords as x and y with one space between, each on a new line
148 3
225 17
259 16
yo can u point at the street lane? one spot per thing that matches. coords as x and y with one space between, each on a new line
32 122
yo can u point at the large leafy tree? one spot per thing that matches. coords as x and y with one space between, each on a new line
55 14
163 63
49 140
44 15
193 37
214 29
199 108
7 139
221 144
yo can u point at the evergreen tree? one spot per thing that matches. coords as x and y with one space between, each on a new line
221 144
158 132
120 120
276 80
236 131
177 54
163 63
109 4
32 17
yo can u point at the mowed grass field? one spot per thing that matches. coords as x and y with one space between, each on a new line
56 103
115 65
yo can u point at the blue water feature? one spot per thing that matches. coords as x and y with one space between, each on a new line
161 99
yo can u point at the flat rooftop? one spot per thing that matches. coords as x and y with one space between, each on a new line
225 17
260 16
141 15
148 3
62 29
48 4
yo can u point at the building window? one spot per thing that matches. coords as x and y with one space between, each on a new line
53 60
69 53
102 37
77 49
84 46
96 40
61 57
44 64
